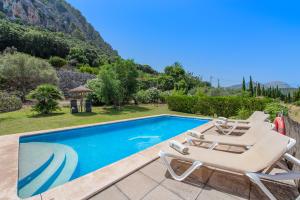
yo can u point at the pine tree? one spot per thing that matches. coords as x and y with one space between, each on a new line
244 85
263 92
258 90
251 87
289 98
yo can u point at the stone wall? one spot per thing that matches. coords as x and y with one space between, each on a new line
70 79
293 131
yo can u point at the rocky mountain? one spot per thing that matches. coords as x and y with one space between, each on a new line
280 84
55 15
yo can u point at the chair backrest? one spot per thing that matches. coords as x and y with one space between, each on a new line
266 151
258 116
88 106
74 107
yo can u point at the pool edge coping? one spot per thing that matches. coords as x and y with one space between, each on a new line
63 191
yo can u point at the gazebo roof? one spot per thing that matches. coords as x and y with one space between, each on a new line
80 89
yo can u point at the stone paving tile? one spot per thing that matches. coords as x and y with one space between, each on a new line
161 193
212 194
155 170
186 191
136 185
230 183
281 191
197 177
110 193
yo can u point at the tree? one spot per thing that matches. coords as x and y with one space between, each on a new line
263 91
296 95
244 85
251 89
258 93
78 55
165 82
181 85
46 96
107 87
57 62
176 71
22 73
193 81
127 74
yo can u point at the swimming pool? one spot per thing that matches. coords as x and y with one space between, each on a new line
51 159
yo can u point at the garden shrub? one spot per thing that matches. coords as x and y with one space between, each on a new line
142 96
57 62
152 95
22 73
274 108
243 113
297 103
9 102
182 103
226 106
163 96
46 97
88 69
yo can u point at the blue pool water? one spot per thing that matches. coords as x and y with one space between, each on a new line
51 159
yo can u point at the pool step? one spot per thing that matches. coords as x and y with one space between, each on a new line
46 165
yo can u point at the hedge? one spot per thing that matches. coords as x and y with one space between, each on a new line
221 106
9 103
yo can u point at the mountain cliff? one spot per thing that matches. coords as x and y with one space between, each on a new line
55 15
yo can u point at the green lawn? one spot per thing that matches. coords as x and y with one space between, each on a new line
24 120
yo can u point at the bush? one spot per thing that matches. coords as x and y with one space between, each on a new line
46 96
222 106
9 102
57 62
22 73
274 108
182 103
88 69
297 103
152 95
142 96
243 113
164 95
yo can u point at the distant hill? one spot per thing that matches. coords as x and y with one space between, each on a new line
54 15
280 84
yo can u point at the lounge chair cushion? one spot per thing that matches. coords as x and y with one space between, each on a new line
262 155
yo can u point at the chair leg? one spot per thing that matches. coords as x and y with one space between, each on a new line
255 179
195 165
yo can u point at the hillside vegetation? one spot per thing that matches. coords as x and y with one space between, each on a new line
54 15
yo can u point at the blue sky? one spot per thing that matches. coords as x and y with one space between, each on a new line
225 39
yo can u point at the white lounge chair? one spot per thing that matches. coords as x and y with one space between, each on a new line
248 139
257 116
255 163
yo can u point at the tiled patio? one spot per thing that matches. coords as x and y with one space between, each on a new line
153 182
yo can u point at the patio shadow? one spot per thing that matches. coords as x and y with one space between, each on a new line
45 115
